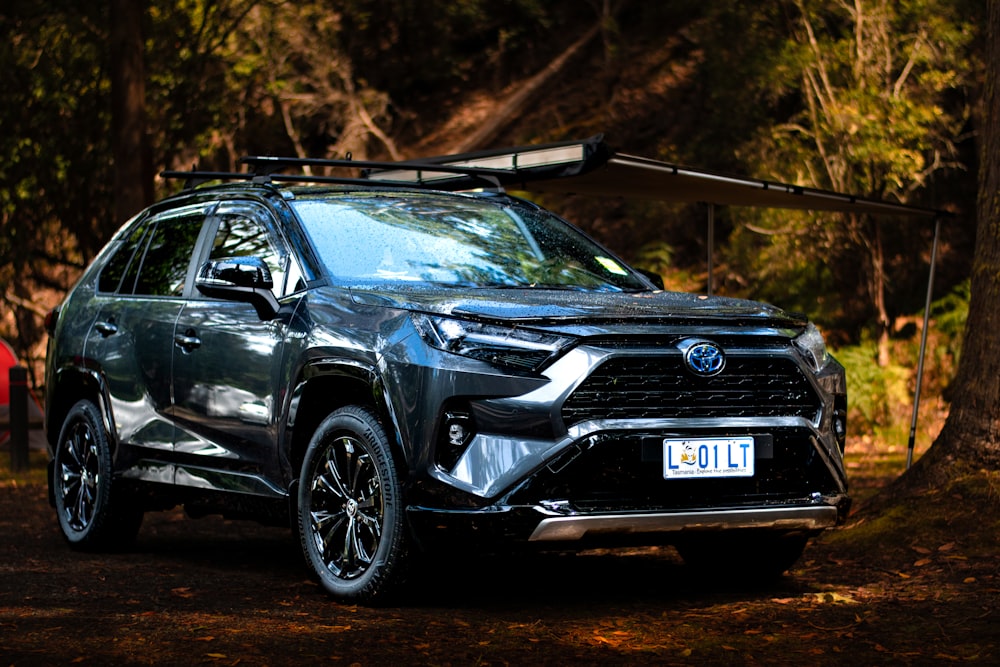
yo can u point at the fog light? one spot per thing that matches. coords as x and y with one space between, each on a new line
457 432
840 428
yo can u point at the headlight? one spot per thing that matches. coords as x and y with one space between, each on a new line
810 343
520 349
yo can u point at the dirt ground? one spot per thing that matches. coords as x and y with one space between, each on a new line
912 584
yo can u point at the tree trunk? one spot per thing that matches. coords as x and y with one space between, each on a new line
133 178
971 434
878 280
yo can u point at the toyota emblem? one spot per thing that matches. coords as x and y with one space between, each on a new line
705 359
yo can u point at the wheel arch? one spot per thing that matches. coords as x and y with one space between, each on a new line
71 386
325 386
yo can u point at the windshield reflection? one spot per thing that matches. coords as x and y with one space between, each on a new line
472 242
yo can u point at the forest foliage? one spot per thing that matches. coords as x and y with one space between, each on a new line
873 97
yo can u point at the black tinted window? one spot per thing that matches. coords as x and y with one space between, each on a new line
164 265
114 270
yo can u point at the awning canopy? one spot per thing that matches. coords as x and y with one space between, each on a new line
590 167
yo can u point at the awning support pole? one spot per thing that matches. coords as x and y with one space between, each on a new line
711 245
923 346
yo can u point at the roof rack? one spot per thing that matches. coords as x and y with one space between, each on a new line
266 169
496 168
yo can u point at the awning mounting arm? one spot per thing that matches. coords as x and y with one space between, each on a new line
923 345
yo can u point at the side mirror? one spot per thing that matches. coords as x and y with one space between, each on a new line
244 279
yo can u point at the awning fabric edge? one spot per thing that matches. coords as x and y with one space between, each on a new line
591 167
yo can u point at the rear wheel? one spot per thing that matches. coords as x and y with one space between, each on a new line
350 510
92 514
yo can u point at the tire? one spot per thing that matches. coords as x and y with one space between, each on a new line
350 508
761 557
92 514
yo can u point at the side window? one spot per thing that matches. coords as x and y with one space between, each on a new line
243 232
163 268
113 272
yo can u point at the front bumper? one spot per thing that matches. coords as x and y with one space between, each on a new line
571 528
553 528
641 395
579 459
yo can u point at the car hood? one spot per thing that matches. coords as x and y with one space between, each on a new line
554 307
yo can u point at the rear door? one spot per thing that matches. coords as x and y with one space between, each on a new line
141 292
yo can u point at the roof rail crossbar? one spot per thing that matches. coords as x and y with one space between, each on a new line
193 179
347 180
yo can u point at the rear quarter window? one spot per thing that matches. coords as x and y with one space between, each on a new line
113 272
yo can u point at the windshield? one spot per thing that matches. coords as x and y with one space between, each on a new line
455 240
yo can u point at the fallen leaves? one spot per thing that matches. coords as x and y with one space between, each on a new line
824 597
832 597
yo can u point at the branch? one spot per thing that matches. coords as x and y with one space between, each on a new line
795 128
369 123
898 86
27 305
227 30
817 52
773 232
293 134
812 98
519 100
859 40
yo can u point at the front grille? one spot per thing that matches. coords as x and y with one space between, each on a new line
661 387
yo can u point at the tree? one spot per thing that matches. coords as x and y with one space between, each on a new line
303 74
54 158
875 89
971 434
133 177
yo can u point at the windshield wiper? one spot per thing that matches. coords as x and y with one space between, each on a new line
551 286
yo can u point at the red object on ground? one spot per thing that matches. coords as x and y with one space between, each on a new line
7 361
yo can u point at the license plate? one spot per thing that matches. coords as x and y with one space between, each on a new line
708 457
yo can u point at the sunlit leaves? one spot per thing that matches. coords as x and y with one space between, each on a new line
874 79
871 98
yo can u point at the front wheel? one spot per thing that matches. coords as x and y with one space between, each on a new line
350 509
92 514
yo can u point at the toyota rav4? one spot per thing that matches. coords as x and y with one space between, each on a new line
390 368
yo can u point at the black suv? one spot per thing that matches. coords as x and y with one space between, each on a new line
389 367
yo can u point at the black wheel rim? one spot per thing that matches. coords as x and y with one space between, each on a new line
79 476
346 510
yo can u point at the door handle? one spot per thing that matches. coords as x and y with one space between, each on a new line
106 328
187 342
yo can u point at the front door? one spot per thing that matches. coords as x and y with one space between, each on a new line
226 369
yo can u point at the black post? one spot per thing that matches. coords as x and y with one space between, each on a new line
711 248
18 418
